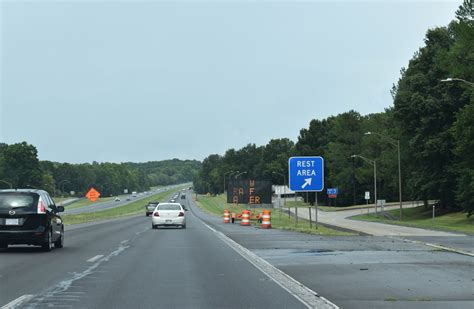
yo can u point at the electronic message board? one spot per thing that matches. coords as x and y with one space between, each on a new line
249 192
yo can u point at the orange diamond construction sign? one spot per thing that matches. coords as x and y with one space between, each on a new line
93 194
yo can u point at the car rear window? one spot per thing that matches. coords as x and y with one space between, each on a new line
169 207
17 200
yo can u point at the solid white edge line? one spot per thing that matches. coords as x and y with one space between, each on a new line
95 258
448 249
17 302
305 295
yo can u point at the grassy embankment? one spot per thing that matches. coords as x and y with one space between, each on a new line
215 205
130 209
83 202
422 217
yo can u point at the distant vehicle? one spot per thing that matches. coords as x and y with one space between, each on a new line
134 193
30 217
128 198
168 214
172 200
150 207
117 199
183 197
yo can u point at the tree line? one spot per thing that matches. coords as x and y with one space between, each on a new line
432 117
21 168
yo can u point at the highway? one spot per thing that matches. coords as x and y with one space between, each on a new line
113 204
125 264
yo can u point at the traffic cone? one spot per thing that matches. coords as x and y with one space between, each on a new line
266 219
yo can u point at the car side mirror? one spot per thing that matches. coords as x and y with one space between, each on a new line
60 208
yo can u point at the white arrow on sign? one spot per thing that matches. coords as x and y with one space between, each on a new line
307 182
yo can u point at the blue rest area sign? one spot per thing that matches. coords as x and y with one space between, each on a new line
306 174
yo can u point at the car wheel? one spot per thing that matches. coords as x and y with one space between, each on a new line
183 226
153 227
48 245
147 214
60 242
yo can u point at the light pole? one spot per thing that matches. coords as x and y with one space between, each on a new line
375 177
63 182
6 182
232 174
396 143
450 79
239 174
224 179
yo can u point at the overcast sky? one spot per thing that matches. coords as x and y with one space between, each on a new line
151 80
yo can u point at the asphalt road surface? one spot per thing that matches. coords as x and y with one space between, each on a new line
126 264
365 271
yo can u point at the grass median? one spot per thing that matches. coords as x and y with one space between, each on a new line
83 202
215 205
130 209
421 217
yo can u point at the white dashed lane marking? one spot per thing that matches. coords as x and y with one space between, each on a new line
95 258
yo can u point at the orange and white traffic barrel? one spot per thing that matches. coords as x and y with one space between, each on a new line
266 219
245 218
226 216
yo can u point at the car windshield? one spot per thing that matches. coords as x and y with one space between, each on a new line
15 200
168 207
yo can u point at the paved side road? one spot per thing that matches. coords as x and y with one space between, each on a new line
341 219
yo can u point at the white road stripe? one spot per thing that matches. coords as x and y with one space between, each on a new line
439 247
17 302
95 258
301 292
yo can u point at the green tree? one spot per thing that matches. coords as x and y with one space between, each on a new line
21 165
463 132
426 111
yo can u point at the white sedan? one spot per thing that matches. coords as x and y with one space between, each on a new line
168 214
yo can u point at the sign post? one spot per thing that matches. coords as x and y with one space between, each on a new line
381 203
306 174
316 207
332 193
367 198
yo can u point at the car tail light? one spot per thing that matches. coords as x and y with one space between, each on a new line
156 214
41 207
181 214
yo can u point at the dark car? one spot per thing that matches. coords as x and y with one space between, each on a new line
150 207
30 217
